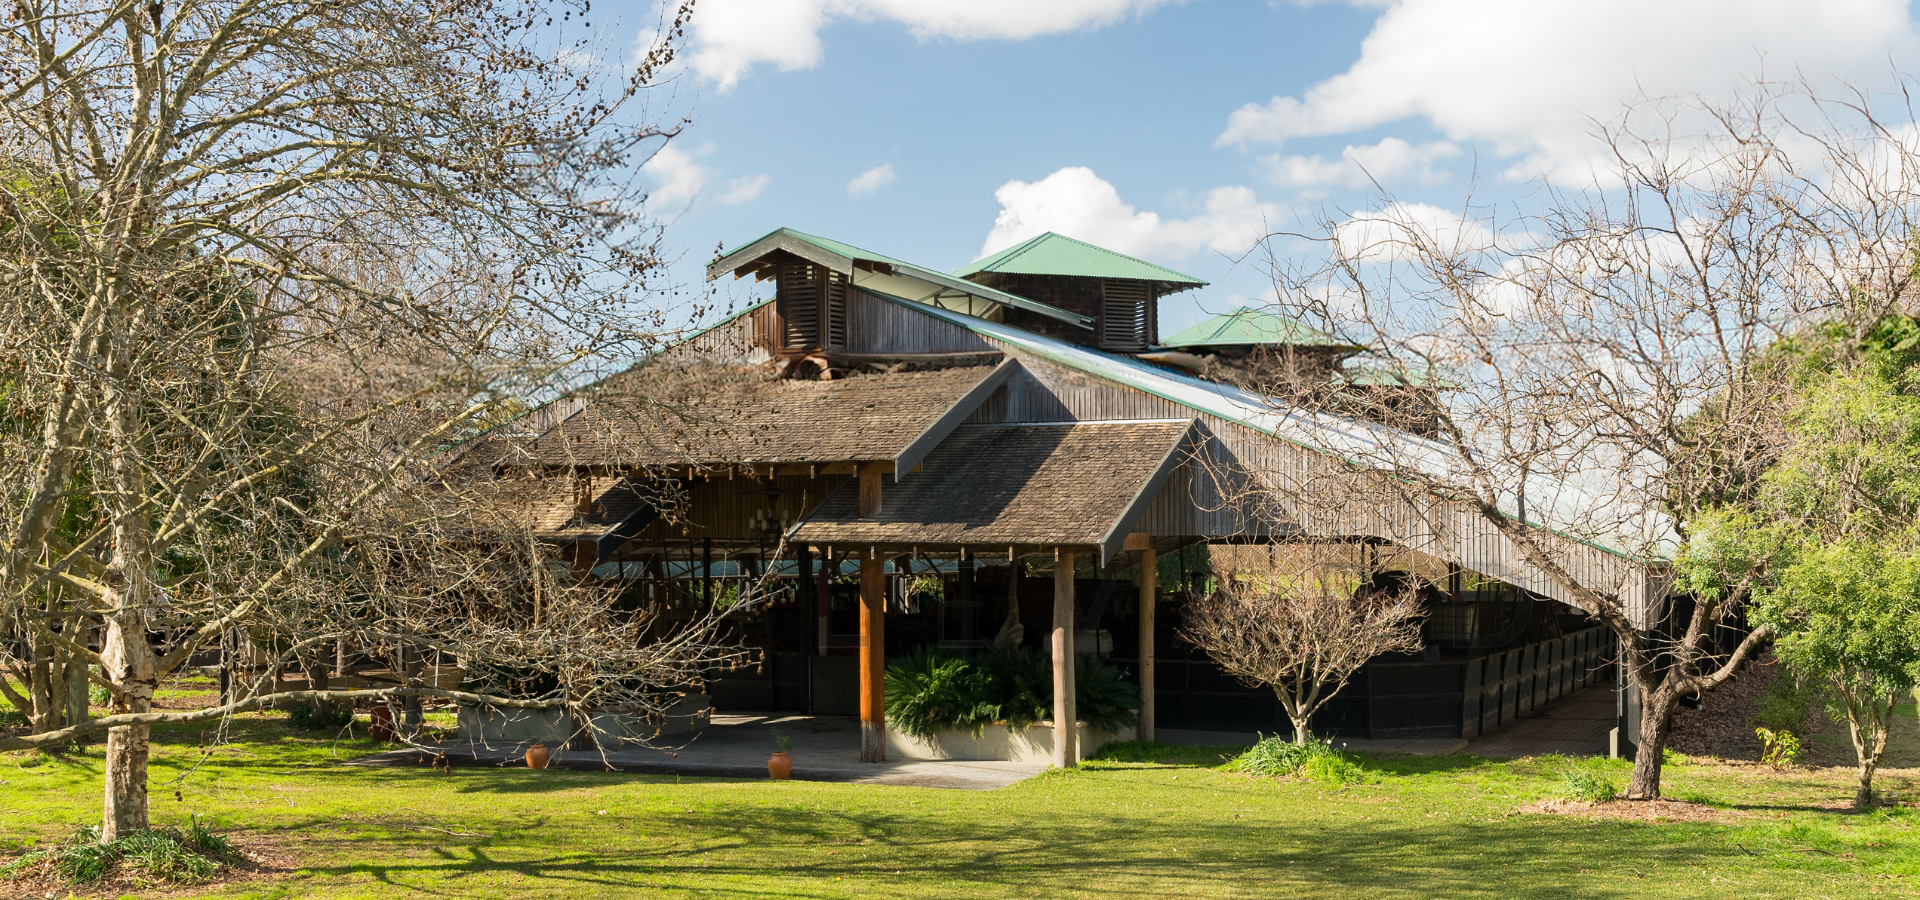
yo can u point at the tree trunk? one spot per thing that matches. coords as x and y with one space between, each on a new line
1300 735
45 714
1656 720
130 666
1867 724
76 690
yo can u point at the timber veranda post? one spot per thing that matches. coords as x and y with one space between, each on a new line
873 657
1149 572
1066 749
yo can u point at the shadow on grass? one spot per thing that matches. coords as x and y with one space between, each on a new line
1125 856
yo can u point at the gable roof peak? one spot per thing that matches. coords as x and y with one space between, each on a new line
1051 253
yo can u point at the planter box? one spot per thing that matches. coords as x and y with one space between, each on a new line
999 743
611 729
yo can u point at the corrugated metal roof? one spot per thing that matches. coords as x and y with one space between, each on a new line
1055 254
840 257
1247 326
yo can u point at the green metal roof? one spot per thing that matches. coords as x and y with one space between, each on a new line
1053 254
840 257
1247 326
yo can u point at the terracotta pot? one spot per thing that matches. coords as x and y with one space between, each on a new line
780 765
537 756
383 729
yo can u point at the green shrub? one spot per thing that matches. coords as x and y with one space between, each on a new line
1332 767
10 717
935 689
1103 696
196 854
1589 783
1779 749
319 717
1316 760
1785 705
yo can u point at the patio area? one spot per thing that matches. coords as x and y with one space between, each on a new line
825 748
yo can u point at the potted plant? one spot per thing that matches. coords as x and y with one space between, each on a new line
780 765
537 756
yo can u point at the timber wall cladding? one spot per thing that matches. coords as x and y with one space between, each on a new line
881 326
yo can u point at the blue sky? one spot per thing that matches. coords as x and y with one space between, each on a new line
939 130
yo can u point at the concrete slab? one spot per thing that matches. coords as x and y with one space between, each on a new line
1404 746
825 748
1575 725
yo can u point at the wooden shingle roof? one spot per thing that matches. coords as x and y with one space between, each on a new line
1063 484
668 419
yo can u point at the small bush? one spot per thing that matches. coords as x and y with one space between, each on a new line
171 855
10 717
1779 749
936 689
1332 768
1103 695
1785 705
319 716
1317 760
1587 783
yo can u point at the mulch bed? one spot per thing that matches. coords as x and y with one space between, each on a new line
259 859
1662 810
1721 729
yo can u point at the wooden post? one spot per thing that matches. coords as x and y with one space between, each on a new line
870 482
1066 750
706 573
873 658
823 595
585 555
1149 571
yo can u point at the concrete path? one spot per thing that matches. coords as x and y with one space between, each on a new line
825 748
1574 725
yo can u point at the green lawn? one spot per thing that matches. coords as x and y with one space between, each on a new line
1171 828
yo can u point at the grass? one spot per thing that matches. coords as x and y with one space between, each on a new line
1143 820
154 856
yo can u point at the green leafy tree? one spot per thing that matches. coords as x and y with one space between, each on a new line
1827 546
1848 612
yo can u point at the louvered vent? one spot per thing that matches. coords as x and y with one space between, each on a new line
798 295
836 310
1124 314
809 295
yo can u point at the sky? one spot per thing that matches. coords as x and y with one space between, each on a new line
939 131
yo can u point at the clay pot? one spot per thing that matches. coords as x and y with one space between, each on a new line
383 730
537 756
779 765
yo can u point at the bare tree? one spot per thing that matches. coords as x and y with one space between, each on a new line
1301 630
264 263
1607 363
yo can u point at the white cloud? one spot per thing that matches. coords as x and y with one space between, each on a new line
1079 204
1359 167
868 183
1385 235
745 189
678 178
1528 77
730 37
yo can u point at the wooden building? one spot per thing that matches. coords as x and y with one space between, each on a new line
1004 432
